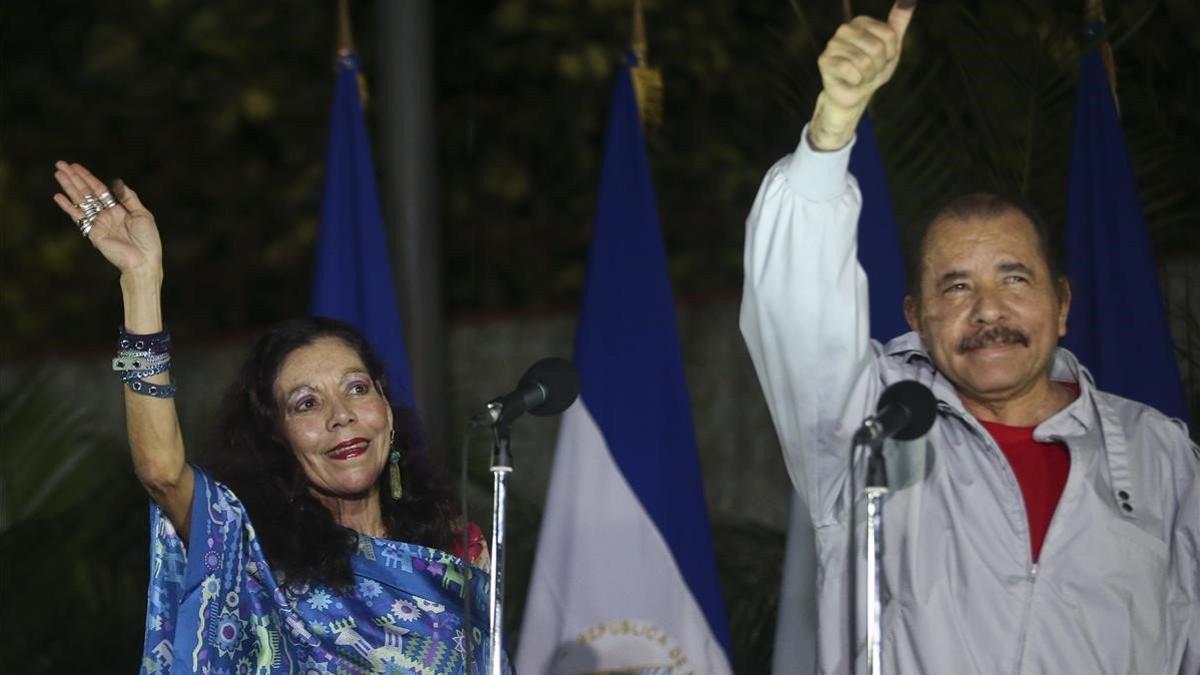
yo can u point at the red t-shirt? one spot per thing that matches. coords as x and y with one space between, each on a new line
1041 470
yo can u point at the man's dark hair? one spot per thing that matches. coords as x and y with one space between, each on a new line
979 205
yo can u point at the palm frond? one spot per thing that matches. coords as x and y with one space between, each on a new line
50 457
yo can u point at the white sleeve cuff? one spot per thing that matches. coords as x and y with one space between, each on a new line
818 175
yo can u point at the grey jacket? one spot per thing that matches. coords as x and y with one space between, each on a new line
1117 585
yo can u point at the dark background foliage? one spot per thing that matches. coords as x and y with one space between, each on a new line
215 112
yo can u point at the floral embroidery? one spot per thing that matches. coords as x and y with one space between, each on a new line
404 613
319 600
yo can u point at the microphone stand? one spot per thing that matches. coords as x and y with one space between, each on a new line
876 488
501 468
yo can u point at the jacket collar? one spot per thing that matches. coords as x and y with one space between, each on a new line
1074 420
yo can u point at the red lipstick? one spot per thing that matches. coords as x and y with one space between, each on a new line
348 449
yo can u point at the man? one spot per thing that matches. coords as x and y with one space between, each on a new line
1041 526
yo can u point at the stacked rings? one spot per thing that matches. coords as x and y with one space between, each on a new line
106 199
91 207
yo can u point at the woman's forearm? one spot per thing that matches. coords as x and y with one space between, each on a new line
142 295
155 440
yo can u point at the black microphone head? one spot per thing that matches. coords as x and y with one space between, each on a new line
919 402
558 379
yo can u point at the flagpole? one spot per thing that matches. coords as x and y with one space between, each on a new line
647 80
345 46
404 96
1093 12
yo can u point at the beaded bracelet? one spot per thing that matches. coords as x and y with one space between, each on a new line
135 361
150 389
155 343
142 356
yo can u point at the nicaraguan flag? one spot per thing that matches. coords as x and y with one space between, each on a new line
353 278
880 257
878 238
625 579
1117 326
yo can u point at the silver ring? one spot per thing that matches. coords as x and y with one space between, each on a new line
85 224
106 199
90 205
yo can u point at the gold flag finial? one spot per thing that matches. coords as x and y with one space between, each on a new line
345 46
647 81
1093 10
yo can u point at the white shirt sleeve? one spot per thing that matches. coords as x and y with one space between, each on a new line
804 315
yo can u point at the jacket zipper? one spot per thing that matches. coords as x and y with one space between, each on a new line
1033 570
1031 567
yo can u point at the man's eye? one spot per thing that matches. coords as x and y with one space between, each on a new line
955 287
1015 279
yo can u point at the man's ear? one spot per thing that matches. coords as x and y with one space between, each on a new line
1064 305
912 313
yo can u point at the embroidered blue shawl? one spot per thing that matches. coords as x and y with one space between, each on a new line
215 607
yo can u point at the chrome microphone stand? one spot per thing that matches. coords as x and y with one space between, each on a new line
907 409
501 468
875 489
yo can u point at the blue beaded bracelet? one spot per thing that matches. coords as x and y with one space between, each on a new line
150 389
155 343
142 356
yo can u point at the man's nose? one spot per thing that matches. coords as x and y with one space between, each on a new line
988 307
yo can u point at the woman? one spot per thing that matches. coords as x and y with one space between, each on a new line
317 542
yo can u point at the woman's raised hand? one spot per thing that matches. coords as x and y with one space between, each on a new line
124 231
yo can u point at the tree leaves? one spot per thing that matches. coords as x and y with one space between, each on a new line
72 536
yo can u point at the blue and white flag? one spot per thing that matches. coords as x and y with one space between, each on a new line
625 578
353 278
1117 326
880 257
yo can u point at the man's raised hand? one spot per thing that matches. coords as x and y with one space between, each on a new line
859 59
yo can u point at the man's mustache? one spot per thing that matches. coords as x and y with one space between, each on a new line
996 335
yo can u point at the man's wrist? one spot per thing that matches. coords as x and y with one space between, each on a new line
832 126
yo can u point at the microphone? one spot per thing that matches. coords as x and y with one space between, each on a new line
906 411
549 387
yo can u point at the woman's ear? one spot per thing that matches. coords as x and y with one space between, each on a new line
390 414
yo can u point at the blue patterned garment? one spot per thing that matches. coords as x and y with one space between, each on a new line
216 607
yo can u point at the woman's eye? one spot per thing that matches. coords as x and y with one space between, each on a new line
305 404
360 388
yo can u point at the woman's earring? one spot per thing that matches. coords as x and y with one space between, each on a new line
394 477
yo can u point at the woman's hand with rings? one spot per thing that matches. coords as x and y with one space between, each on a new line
115 222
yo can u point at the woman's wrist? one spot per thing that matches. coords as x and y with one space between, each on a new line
141 292
142 278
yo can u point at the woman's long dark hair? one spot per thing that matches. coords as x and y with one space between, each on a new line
299 536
